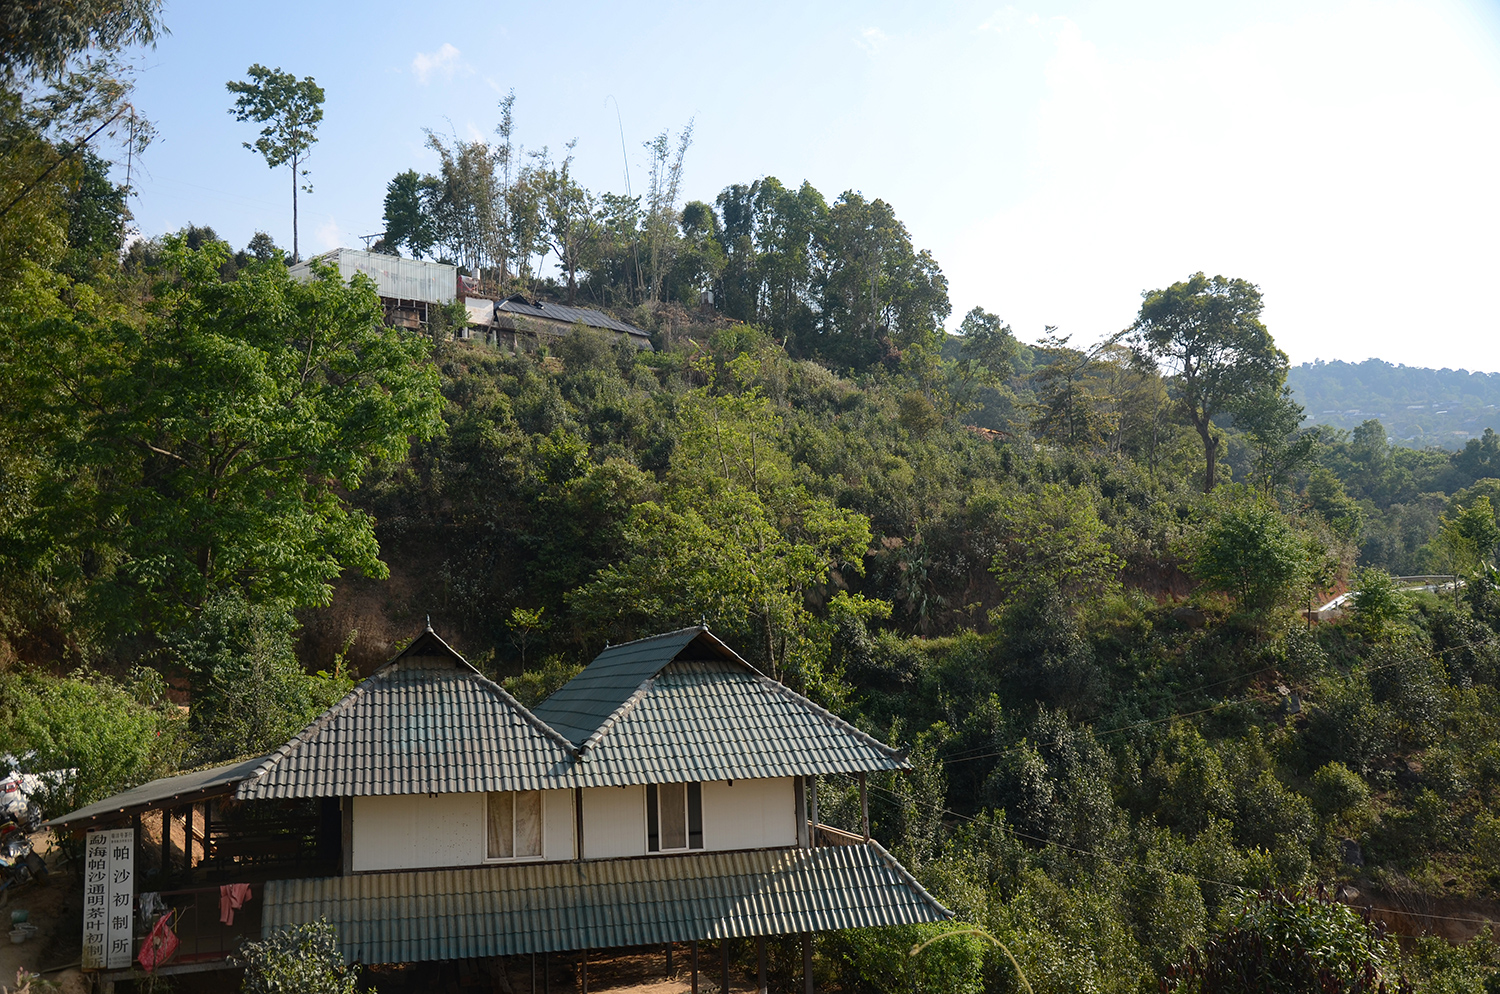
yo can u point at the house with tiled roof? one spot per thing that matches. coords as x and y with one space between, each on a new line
663 798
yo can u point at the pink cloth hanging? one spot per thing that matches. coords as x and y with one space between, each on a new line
232 896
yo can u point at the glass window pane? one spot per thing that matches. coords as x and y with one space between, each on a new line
673 797
501 825
529 823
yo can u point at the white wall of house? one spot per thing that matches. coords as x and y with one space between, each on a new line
412 831
750 814
558 825
407 831
614 821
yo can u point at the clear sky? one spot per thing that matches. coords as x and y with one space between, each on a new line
1057 158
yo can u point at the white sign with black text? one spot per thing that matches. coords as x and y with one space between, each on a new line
108 892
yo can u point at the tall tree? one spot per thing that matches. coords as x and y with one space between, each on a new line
290 109
1208 334
569 220
209 445
407 221
661 204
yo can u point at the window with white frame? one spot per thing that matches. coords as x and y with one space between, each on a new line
674 816
514 824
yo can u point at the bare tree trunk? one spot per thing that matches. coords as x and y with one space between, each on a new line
296 257
1210 454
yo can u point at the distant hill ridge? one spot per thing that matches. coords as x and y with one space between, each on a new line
1418 406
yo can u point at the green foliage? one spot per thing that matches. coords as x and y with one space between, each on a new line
1338 792
1249 551
1050 537
877 960
41 37
250 693
1218 354
209 445
1378 602
1466 544
103 734
300 959
1275 943
532 687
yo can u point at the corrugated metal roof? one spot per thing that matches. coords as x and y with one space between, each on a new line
402 279
427 722
698 721
602 904
200 783
548 311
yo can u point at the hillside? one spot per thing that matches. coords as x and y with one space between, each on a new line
1419 407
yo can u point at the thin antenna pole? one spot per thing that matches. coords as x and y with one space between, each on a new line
129 161
625 158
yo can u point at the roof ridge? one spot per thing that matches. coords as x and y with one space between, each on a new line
832 718
615 716
651 638
906 875
526 713
313 727
386 672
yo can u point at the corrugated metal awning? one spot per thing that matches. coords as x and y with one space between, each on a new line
195 786
603 904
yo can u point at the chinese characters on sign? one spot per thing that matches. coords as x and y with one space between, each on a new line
108 891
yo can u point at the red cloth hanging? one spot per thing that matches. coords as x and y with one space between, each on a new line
232 896
159 945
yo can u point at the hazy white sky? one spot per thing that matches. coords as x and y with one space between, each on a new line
1058 158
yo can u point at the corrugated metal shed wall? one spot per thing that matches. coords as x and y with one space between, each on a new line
404 279
604 904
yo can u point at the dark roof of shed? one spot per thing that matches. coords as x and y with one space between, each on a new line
510 910
426 722
198 784
566 314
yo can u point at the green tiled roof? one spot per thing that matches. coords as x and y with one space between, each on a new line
697 721
427 722
557 907
586 702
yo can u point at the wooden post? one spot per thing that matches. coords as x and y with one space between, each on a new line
799 807
187 841
578 823
546 973
695 966
583 960
669 961
812 805
166 842
864 805
208 826
724 963
346 835
532 988
807 973
760 964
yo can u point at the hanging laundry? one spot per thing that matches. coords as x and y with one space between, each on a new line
159 945
232 896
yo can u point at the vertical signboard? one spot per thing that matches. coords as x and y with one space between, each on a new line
108 892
